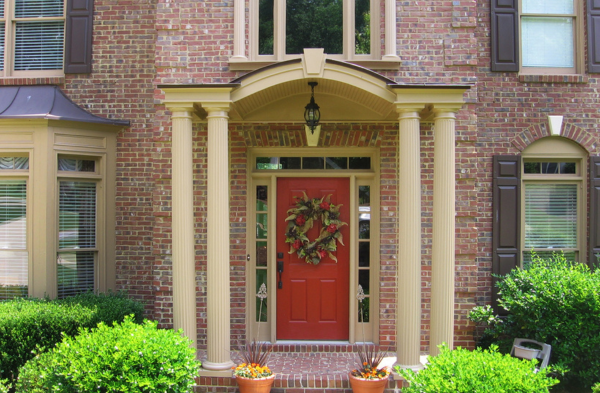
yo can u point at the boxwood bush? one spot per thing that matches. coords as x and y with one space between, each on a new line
30 325
124 358
481 371
555 302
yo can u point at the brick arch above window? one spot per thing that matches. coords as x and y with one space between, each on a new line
586 139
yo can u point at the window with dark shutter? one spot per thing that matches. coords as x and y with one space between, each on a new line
506 218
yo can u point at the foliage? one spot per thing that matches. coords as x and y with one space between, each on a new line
554 302
255 356
126 357
482 371
596 388
302 218
4 386
369 360
27 324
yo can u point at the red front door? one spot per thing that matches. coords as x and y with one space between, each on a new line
312 302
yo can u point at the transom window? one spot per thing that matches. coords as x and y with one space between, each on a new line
324 163
282 29
548 35
31 37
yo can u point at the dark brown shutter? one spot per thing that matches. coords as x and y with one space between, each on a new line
505 35
594 210
506 222
593 22
78 37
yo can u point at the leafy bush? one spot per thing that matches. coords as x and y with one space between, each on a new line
37 324
4 386
554 302
124 358
596 388
482 371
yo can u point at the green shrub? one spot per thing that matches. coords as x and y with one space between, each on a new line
4 386
554 302
124 358
481 371
596 388
28 325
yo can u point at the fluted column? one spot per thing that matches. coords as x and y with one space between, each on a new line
217 266
442 258
184 274
408 326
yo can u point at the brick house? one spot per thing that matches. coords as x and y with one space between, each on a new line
156 146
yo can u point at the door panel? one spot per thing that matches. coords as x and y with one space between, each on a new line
313 301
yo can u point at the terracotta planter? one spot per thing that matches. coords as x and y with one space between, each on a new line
360 385
255 385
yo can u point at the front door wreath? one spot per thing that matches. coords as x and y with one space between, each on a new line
302 217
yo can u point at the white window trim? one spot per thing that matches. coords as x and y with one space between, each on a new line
243 60
9 44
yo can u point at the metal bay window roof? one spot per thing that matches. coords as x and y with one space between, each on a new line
45 102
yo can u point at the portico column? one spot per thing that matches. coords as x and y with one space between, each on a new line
442 258
184 273
217 232
408 326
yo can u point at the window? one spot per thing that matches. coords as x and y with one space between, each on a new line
77 249
541 37
278 30
551 210
314 24
14 252
32 36
548 36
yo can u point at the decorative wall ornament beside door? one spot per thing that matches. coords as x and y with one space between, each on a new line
302 218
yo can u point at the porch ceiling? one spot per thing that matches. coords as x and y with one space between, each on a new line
339 102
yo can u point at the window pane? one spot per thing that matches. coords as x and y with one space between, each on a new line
39 46
364 195
568 167
363 280
532 167
261 310
549 167
363 310
547 42
13 239
261 226
362 26
77 215
290 162
337 162
13 274
313 163
550 216
265 27
570 256
364 223
364 254
547 6
314 24
71 164
360 162
38 8
261 198
75 272
261 253
1 8
267 163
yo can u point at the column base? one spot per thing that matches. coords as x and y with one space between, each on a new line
217 366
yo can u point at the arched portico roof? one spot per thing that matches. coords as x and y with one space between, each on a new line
345 93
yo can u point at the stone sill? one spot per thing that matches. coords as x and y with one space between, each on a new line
571 78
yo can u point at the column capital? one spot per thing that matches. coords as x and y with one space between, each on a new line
445 108
180 106
216 106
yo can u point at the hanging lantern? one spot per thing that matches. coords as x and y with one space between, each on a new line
312 115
